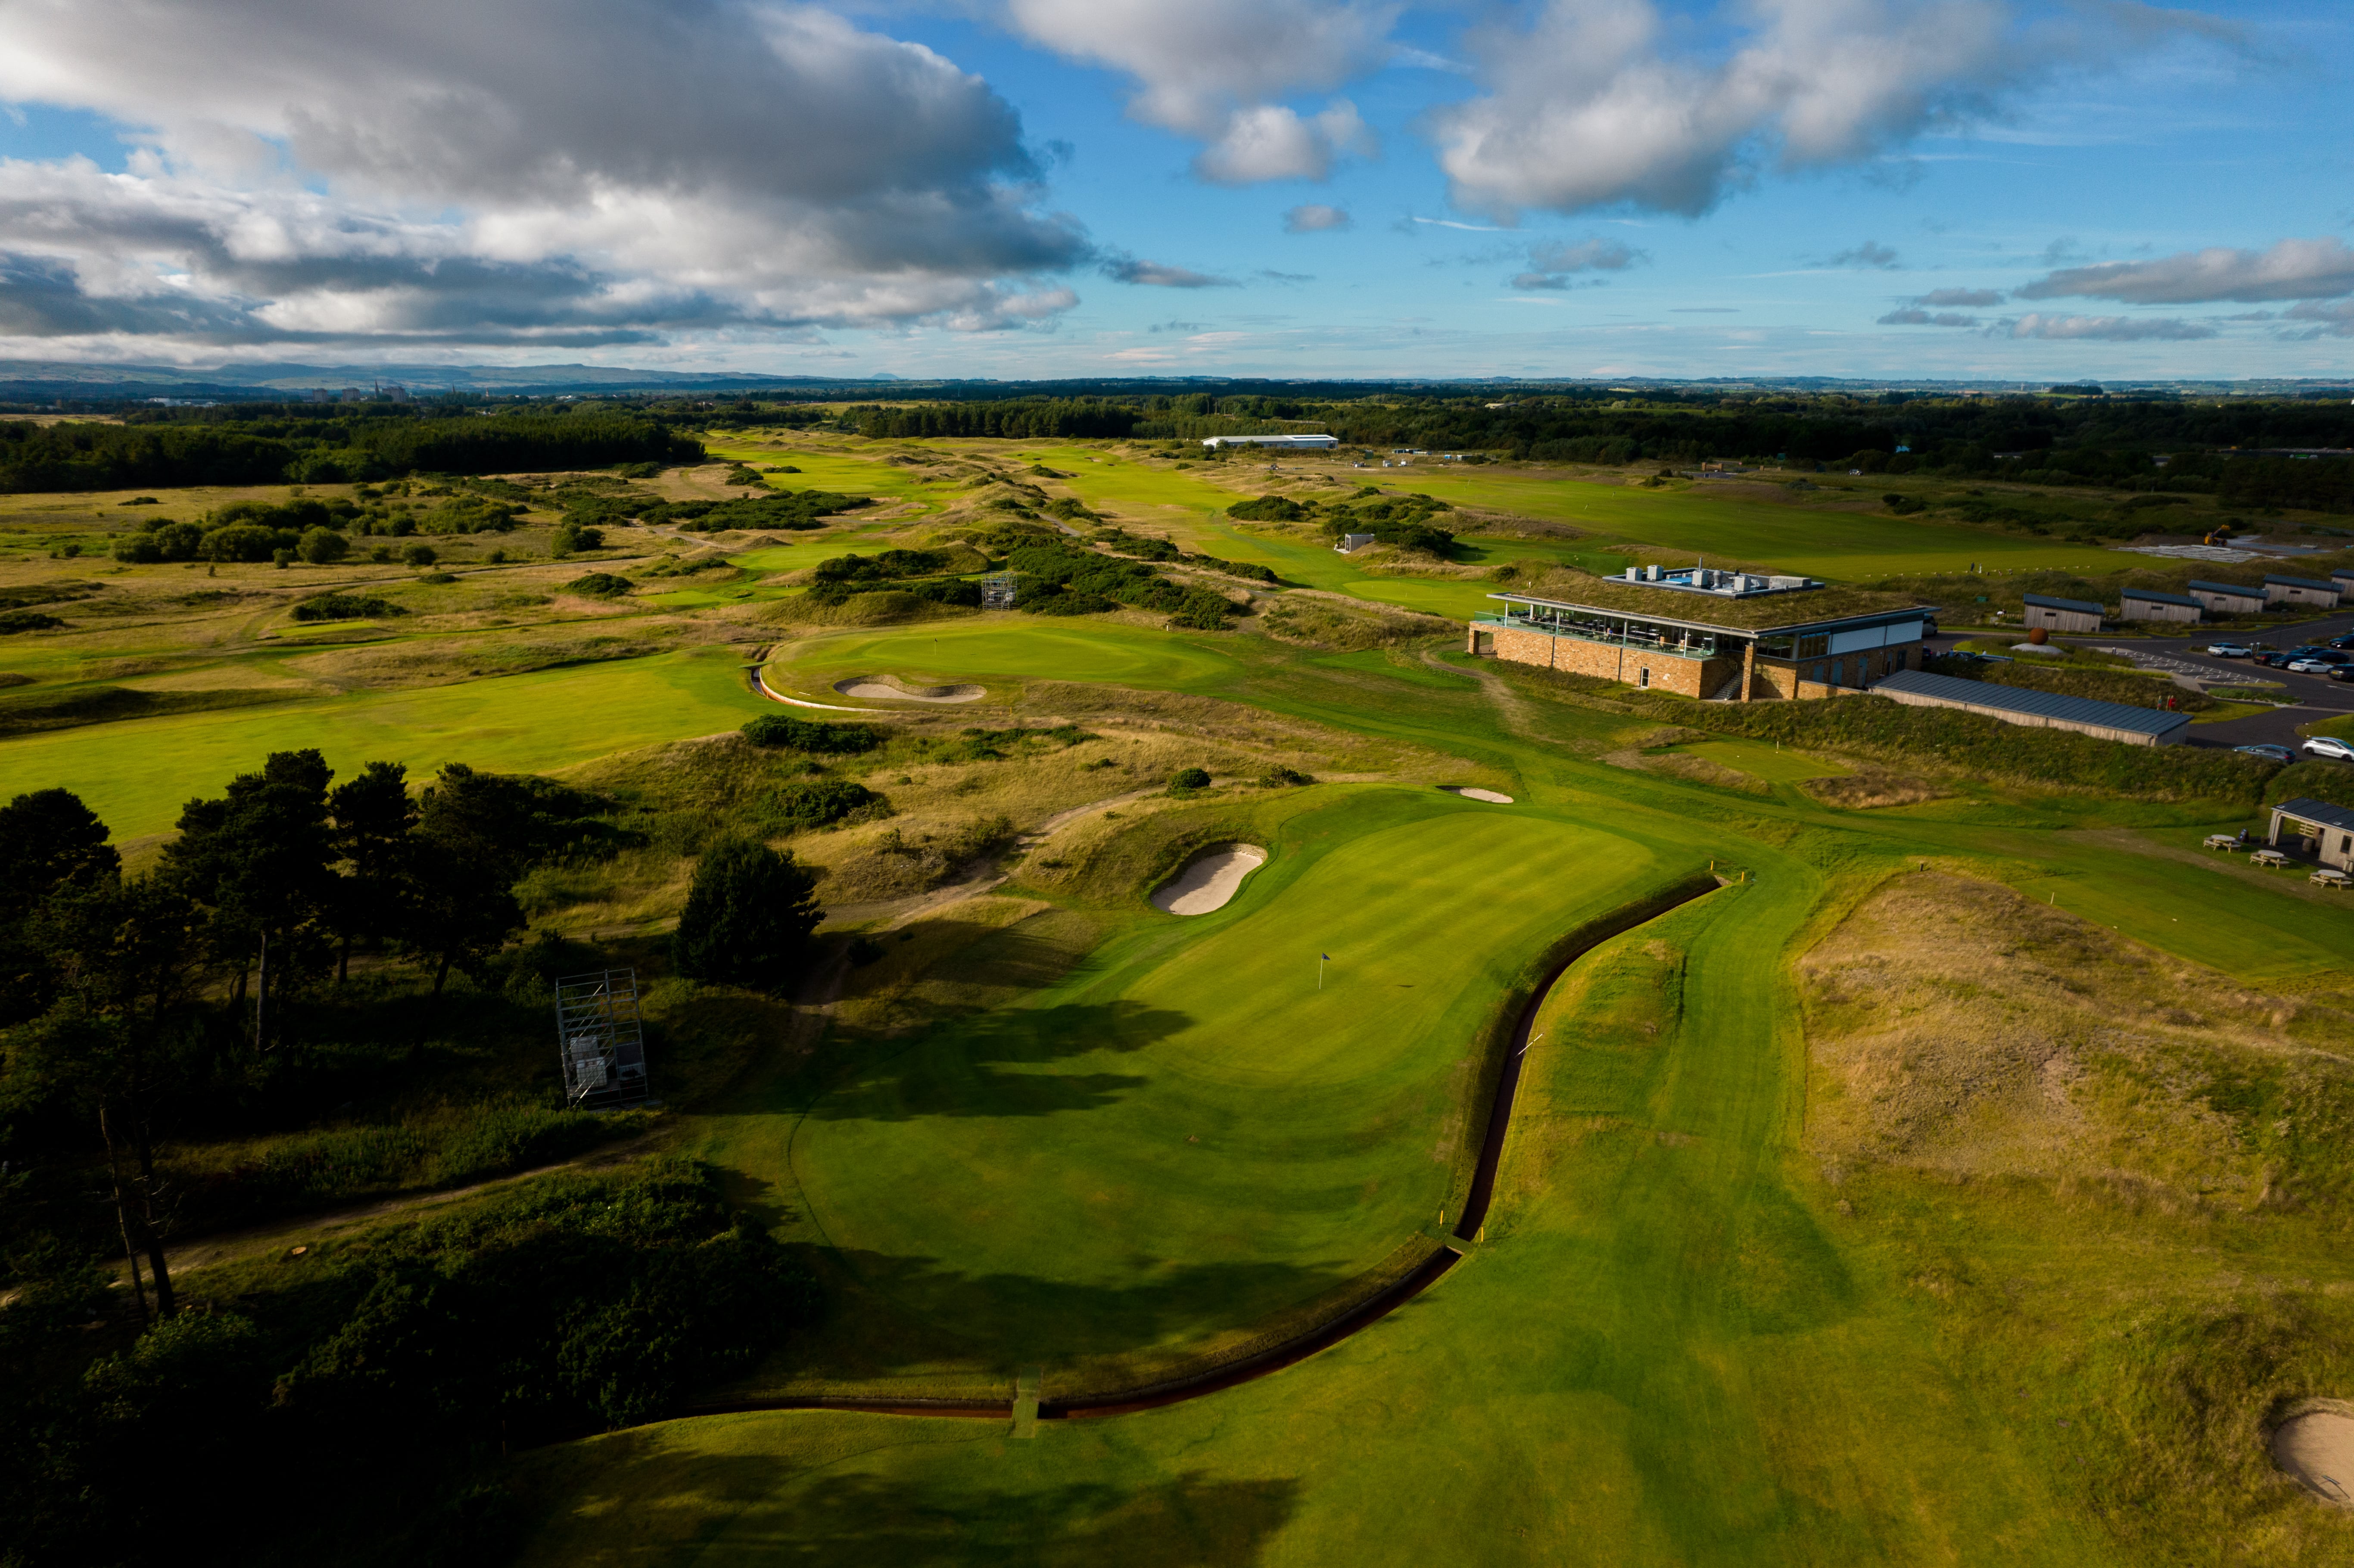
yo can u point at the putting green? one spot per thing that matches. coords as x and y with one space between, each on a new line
1194 1136
1001 648
137 773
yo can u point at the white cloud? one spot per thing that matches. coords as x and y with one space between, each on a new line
2106 329
1589 107
1315 217
1215 70
2288 270
1270 142
523 172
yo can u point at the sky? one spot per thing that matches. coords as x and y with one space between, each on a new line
1912 189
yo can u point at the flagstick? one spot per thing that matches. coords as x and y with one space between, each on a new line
1320 972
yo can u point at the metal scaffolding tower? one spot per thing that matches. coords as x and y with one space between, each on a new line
602 1043
997 591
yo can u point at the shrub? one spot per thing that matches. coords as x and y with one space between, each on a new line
600 585
345 607
1188 780
418 555
573 537
782 730
17 621
323 547
1269 509
138 548
820 802
747 918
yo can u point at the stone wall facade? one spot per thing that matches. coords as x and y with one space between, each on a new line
1699 678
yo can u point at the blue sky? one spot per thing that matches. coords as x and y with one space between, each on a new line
1901 188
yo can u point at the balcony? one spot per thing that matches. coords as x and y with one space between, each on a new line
1673 641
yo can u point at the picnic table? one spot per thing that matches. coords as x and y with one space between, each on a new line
2225 842
2269 857
2331 878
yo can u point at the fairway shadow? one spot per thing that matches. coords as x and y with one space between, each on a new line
914 1311
952 1072
743 1507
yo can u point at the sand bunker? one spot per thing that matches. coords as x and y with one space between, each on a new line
1470 794
1211 881
887 688
2317 1448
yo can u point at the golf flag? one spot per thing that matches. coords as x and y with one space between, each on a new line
1325 956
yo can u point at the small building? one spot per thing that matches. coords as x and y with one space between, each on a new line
2047 710
2060 614
1712 634
2228 599
2148 604
2300 590
2329 830
2344 577
1353 542
1296 443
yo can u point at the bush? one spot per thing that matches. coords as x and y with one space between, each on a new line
747 918
138 548
345 607
1269 509
600 585
820 802
15 620
1188 780
782 730
323 547
572 538
418 555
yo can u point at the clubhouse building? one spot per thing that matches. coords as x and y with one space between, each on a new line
1702 633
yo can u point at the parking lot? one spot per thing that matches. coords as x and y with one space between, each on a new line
2316 696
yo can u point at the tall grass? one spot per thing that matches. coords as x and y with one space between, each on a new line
447 1146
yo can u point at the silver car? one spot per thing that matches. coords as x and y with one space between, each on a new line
2329 746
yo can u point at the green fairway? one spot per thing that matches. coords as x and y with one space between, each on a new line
1760 760
1591 1386
1001 648
1839 545
136 775
1193 1137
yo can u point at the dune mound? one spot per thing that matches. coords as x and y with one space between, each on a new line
1470 794
2316 1444
1209 881
888 688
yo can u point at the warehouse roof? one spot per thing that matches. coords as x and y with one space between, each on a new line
2243 589
2321 813
2046 601
2042 704
2159 597
1765 613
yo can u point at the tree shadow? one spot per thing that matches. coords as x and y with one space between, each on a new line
973 1066
890 1313
746 1507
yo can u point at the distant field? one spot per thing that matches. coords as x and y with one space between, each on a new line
1189 1138
998 650
137 775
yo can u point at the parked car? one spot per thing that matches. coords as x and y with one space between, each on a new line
2230 650
2270 753
2308 666
2281 660
2330 748
2343 672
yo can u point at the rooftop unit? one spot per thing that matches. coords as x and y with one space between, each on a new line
1711 580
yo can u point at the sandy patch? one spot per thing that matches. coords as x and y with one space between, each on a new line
1211 880
887 688
1470 794
2316 1446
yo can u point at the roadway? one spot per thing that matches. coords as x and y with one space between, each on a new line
2317 697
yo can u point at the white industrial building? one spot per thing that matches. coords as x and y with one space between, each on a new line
1297 443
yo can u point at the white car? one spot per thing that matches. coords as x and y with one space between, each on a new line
2311 666
2330 746
2228 650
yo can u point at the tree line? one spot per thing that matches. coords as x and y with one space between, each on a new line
80 457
